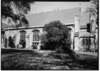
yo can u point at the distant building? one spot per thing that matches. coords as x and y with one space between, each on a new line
73 18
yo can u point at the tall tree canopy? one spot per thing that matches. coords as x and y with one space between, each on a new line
15 9
57 36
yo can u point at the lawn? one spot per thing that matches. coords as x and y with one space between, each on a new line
32 60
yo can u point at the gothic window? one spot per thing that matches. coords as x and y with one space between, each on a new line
22 35
22 38
35 35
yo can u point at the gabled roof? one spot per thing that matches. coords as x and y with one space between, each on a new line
84 18
40 19
66 16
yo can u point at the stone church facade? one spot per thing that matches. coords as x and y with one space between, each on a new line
73 18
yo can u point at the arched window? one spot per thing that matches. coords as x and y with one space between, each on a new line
23 38
35 35
22 35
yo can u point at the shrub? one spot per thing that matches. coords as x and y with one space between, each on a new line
57 37
23 43
11 43
34 47
42 47
59 50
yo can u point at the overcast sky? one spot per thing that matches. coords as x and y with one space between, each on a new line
49 6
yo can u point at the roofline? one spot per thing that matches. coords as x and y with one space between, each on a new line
31 27
82 28
55 10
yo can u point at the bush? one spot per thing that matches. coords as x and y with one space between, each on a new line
5 43
34 47
59 50
23 43
57 37
42 47
11 43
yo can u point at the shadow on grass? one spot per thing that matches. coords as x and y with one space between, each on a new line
28 60
81 60
89 63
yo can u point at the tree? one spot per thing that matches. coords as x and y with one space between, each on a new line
15 9
44 39
23 22
57 36
94 9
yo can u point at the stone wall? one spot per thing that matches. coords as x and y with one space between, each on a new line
15 34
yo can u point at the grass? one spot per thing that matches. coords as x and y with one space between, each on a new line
31 60
88 61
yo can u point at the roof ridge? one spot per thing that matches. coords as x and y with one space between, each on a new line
55 10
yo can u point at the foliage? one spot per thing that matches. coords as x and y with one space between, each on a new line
23 22
5 43
34 46
57 36
44 38
44 41
23 43
11 43
94 9
21 6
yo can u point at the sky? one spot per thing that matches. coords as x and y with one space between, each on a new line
38 7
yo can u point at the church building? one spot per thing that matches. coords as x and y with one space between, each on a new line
76 20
